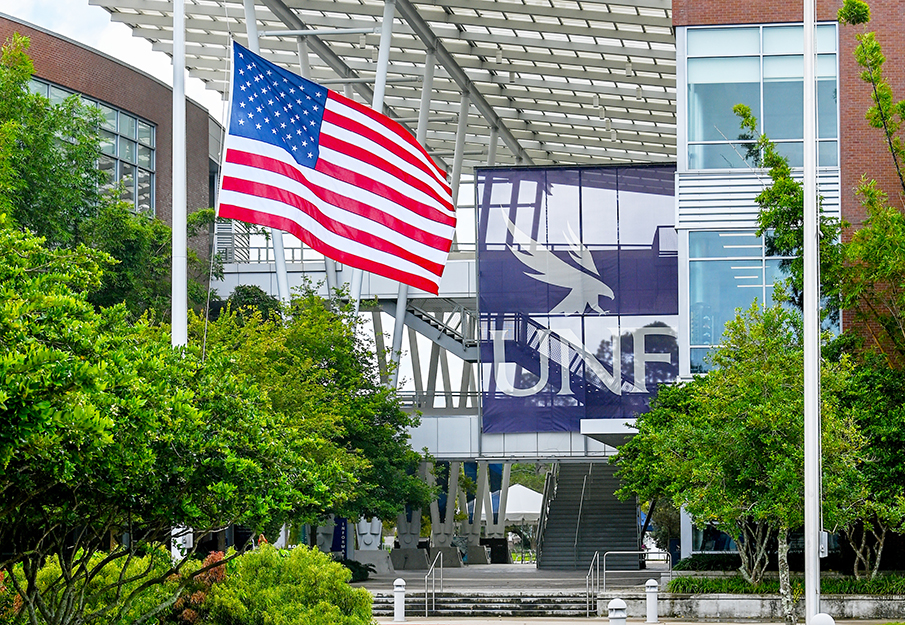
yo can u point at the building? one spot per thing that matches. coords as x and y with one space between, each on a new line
138 116
566 86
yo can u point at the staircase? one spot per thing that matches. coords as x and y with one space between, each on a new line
489 604
585 516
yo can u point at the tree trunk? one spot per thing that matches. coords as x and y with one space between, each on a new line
785 583
752 547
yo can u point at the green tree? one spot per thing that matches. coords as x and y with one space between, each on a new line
318 369
49 180
728 445
875 398
781 221
111 437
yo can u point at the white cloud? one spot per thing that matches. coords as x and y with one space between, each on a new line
91 25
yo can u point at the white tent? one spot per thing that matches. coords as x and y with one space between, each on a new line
522 505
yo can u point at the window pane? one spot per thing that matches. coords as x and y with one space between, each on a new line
126 150
146 133
783 40
717 155
109 116
826 109
57 95
783 97
705 244
38 87
143 197
717 289
127 125
773 275
698 362
826 38
108 142
145 157
714 87
107 165
827 154
128 182
715 41
792 150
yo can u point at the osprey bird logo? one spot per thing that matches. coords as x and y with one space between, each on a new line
585 284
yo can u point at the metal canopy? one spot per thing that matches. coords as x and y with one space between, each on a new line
563 82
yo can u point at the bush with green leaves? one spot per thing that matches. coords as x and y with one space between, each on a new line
883 585
301 586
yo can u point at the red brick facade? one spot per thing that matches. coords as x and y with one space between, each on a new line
76 67
862 148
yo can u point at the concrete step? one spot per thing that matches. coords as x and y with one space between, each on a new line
517 604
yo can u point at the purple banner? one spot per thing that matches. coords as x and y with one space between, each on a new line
578 294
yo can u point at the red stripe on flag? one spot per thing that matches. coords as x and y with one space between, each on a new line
355 151
359 180
391 125
231 211
288 198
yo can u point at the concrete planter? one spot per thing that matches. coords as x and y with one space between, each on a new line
729 607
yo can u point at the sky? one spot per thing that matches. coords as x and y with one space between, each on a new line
91 26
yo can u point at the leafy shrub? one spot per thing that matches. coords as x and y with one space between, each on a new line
298 587
710 562
884 585
360 572
191 606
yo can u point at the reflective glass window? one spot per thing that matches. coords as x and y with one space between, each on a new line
146 133
144 191
715 41
127 125
145 156
708 244
118 134
715 85
127 150
765 72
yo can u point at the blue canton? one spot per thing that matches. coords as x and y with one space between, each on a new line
274 105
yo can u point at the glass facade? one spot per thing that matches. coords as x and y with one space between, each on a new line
726 271
761 67
128 146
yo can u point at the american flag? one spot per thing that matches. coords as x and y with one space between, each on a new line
347 181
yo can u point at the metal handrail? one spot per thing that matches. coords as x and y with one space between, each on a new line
592 582
549 496
584 485
433 592
644 553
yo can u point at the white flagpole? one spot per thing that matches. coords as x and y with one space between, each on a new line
811 333
276 235
179 284
430 63
380 83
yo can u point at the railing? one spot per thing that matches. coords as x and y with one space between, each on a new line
647 557
592 582
549 496
584 487
432 574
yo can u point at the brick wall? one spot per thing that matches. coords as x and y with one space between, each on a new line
712 12
76 67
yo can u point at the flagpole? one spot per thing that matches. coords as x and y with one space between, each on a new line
811 315
430 63
380 83
276 235
179 284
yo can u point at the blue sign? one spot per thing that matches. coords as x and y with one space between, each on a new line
577 294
